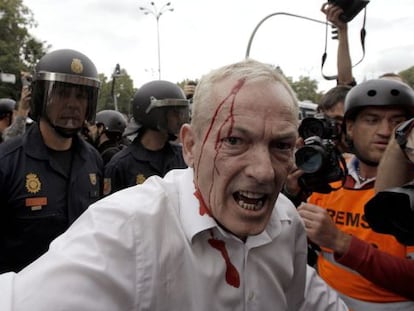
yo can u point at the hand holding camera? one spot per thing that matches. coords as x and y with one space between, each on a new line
320 158
391 210
26 93
333 13
350 8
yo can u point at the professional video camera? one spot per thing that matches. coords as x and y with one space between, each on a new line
320 158
392 212
351 8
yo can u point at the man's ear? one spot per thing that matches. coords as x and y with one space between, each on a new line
349 125
188 139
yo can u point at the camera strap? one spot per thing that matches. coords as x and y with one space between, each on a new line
362 39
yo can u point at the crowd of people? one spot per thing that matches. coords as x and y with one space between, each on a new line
202 209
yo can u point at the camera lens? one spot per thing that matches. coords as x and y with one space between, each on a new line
311 127
309 158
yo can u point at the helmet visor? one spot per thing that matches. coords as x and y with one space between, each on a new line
166 102
171 113
68 105
176 117
67 78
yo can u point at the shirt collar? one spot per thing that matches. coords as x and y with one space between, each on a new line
192 221
353 165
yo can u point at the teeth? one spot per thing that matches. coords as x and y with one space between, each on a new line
251 195
251 207
252 201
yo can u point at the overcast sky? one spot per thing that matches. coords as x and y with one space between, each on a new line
200 35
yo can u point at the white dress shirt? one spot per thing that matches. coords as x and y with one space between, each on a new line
148 248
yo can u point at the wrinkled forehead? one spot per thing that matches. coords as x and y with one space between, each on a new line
257 105
253 96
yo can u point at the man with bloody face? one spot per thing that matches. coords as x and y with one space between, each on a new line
217 235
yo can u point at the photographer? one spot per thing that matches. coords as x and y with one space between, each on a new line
336 221
332 103
344 65
396 168
21 112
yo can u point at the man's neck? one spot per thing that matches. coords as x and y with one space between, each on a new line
367 171
52 139
154 140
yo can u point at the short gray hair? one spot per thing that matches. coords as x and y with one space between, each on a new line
248 70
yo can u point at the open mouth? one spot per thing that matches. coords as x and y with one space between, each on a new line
251 201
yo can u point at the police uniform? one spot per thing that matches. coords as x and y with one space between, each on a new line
108 149
39 200
114 124
134 164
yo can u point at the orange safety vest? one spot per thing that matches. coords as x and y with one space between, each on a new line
346 207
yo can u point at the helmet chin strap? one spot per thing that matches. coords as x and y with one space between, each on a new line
64 132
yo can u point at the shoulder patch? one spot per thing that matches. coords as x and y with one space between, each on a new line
107 186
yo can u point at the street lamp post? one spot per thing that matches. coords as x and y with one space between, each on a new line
249 45
115 74
153 10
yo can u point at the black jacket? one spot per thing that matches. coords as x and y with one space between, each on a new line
133 164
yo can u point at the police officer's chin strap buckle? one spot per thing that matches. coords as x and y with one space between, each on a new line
66 133
335 37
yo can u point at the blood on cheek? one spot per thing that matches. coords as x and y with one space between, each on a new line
229 101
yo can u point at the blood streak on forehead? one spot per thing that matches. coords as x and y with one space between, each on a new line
230 100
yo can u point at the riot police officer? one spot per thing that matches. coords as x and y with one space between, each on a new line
159 108
106 133
49 175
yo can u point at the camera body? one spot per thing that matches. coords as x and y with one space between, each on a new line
391 211
319 158
351 8
26 80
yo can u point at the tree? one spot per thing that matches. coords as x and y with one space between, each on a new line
305 88
19 50
123 90
408 76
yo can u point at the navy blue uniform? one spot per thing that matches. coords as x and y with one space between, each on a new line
133 164
108 149
41 196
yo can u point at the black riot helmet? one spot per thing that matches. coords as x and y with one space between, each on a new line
154 104
7 106
112 120
379 93
64 73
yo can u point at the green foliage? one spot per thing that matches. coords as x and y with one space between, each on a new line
121 86
305 88
408 76
185 81
19 50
